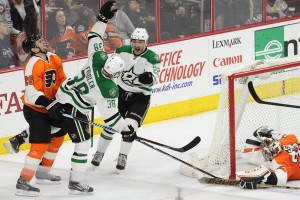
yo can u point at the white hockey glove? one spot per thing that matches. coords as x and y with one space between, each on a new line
250 179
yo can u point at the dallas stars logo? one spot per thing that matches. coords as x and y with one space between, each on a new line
130 78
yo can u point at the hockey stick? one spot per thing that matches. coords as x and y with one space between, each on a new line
88 122
188 164
92 127
233 182
259 100
187 147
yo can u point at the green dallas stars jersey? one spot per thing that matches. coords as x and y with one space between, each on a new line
136 65
89 87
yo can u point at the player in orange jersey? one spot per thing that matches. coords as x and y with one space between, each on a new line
43 75
282 151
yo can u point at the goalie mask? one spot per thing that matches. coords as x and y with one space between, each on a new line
271 148
114 66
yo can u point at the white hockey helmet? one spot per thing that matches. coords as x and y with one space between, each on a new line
140 34
114 65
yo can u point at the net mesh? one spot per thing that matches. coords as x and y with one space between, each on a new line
281 86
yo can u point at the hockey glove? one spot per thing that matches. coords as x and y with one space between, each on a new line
263 133
250 178
128 136
250 182
146 78
106 12
55 110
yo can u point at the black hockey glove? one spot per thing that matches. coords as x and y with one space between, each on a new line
128 136
250 183
146 78
55 110
106 12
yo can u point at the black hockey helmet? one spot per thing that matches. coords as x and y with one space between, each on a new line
29 42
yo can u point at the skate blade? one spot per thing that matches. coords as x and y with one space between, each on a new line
76 192
47 182
119 171
8 147
92 168
26 193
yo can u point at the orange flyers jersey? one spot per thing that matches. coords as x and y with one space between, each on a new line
289 159
42 78
67 42
82 32
111 39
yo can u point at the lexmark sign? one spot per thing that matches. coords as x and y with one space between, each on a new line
226 43
277 42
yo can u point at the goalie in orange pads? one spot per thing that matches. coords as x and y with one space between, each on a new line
282 151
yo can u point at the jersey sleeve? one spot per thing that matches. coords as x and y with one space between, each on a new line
153 66
95 38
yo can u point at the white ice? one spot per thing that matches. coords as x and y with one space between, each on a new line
149 175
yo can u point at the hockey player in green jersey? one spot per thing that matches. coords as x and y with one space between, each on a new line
141 72
93 85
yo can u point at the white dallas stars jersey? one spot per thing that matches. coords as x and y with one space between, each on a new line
136 65
89 87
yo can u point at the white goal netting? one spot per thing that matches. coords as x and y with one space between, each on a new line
275 80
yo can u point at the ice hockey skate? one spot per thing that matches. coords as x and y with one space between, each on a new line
98 156
122 160
77 188
25 189
13 144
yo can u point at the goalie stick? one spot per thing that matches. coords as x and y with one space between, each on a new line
233 182
187 147
186 163
259 100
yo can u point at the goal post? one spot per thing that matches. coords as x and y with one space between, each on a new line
238 115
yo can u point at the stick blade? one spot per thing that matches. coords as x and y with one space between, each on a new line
219 181
190 145
253 93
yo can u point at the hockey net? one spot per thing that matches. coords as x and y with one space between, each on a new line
238 115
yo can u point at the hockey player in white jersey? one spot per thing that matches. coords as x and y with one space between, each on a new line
141 72
93 85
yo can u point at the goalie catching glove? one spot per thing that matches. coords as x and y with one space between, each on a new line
128 134
106 11
259 175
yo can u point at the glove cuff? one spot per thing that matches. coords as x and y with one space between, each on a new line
51 104
102 18
43 101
